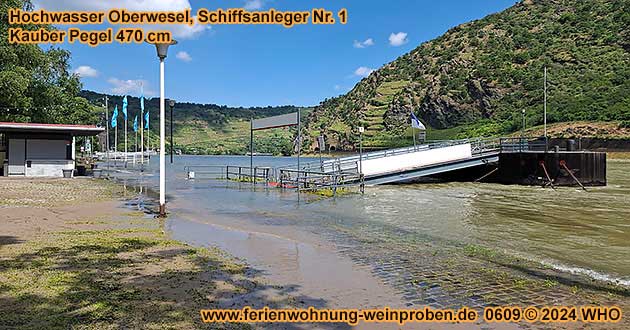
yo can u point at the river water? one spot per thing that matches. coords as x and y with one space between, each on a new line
585 232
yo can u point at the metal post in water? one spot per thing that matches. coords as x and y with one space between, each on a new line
299 140
299 145
361 129
251 145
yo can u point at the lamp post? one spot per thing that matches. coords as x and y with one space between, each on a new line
171 103
162 50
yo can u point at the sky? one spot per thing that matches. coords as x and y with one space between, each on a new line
240 65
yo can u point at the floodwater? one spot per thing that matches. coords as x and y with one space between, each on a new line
584 232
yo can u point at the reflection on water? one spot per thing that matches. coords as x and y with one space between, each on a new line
568 228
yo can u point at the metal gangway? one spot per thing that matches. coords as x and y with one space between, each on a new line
374 168
401 164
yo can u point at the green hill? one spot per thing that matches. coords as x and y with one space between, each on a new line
476 78
205 128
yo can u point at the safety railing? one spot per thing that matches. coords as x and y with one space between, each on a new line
313 180
249 174
338 165
229 172
206 171
522 144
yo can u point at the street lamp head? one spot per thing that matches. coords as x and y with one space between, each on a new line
162 48
171 103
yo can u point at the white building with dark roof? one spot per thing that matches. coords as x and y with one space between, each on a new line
40 150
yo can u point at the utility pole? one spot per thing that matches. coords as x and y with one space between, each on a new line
523 128
171 103
361 130
523 125
545 107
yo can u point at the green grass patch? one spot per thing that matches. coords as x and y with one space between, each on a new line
472 250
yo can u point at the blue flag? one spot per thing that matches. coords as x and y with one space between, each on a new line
114 117
415 122
125 106
146 120
135 124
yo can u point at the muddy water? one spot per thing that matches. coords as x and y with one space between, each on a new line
568 229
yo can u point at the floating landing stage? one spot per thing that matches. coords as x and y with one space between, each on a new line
562 168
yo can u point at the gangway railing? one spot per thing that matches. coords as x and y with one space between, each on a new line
338 165
313 180
522 144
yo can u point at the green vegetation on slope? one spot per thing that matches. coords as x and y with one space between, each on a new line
205 128
475 79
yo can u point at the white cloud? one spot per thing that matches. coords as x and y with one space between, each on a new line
337 87
179 31
363 44
398 39
363 71
129 87
184 56
85 71
253 5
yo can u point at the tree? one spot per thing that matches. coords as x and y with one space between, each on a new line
36 84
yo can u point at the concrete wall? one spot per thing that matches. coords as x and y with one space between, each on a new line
416 159
48 167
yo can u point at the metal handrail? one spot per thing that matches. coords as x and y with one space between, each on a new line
479 146
193 170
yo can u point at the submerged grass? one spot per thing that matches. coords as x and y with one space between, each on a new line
108 279
329 192
98 274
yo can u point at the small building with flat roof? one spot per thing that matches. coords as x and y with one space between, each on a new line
40 150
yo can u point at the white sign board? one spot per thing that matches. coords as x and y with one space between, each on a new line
416 159
290 119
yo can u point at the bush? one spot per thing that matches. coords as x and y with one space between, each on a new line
624 124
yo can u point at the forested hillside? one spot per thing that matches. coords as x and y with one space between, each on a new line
475 79
205 128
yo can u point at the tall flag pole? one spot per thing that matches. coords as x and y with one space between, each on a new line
135 141
114 124
141 124
146 126
124 110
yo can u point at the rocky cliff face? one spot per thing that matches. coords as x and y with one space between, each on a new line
483 73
